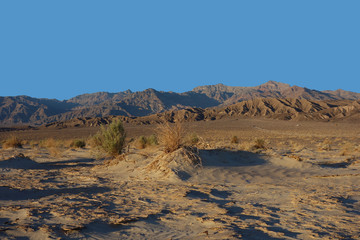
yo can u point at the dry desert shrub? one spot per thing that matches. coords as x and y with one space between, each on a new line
325 145
251 145
55 151
12 142
140 143
192 139
296 157
111 139
143 142
78 143
259 143
48 143
234 139
245 145
347 149
53 146
171 135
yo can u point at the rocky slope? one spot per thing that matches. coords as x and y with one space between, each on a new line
27 110
275 108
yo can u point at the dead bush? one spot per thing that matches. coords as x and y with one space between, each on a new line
259 143
12 142
77 143
171 135
234 139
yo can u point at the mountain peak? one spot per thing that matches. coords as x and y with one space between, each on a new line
274 86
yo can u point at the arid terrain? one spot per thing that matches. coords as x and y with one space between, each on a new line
252 179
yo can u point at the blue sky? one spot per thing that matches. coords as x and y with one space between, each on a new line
60 49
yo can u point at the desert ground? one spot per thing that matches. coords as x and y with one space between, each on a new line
241 179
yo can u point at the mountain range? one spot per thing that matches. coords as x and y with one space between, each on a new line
20 110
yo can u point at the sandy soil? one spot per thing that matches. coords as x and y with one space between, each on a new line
304 185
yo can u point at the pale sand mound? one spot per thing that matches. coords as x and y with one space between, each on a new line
176 166
19 162
180 164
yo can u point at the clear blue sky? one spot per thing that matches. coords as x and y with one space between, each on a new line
60 49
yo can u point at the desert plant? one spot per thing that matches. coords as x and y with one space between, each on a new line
49 143
12 142
77 143
141 142
111 139
325 145
52 145
152 140
259 143
192 139
234 139
171 135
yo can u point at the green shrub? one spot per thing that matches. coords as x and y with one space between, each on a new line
192 139
111 139
152 140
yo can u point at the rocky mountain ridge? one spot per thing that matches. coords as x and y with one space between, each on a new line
274 108
26 110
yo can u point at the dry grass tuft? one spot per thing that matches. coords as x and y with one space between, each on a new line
347 149
325 145
12 142
192 139
53 146
49 143
77 143
143 142
296 157
234 139
259 143
171 135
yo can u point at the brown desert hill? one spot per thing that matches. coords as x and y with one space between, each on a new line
274 108
26 110
271 89
344 94
292 109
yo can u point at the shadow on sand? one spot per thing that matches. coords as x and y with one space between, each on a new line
229 158
15 194
27 163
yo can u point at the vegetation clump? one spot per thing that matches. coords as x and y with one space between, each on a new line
171 136
111 139
78 143
192 139
234 139
259 144
143 142
12 142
